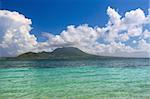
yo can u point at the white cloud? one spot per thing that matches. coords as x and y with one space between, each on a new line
123 37
111 40
15 37
146 34
134 41
144 46
134 17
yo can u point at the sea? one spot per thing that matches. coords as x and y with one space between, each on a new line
76 79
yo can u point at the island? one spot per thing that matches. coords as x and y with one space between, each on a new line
64 53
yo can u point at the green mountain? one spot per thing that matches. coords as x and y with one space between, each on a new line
66 53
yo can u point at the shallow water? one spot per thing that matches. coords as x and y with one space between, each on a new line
99 79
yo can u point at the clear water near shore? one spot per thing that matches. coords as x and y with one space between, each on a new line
107 79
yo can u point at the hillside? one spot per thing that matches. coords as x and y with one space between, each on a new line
66 53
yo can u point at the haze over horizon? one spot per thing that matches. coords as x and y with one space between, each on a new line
124 32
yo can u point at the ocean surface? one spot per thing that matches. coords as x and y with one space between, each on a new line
85 79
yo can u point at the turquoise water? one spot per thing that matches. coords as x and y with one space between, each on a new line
97 79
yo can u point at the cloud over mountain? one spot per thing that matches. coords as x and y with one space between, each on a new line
126 35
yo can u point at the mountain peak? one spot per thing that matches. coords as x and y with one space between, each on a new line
68 51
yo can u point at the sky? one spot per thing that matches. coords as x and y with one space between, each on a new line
101 27
55 15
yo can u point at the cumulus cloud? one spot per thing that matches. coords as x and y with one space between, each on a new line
15 37
116 38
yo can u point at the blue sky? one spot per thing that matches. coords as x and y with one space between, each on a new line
55 15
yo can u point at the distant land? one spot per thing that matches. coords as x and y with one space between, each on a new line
65 53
